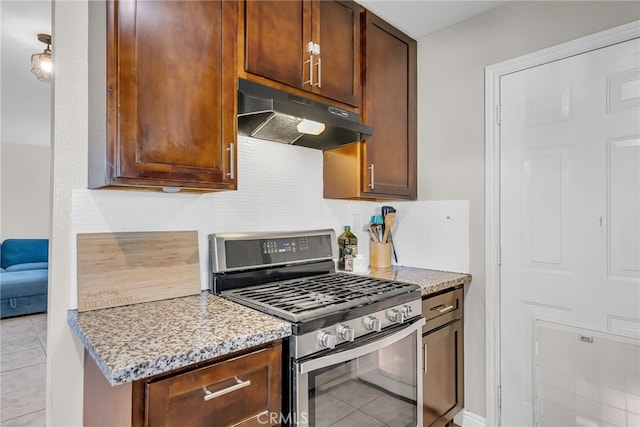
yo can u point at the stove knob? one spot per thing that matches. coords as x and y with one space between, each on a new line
398 316
327 340
346 333
372 323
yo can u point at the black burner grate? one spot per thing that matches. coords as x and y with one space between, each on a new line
309 297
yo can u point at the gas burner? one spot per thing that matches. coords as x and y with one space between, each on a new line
311 297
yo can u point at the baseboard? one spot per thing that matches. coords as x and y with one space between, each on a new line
469 419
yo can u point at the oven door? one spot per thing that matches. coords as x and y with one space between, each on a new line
374 381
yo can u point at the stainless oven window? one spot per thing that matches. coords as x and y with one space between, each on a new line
378 388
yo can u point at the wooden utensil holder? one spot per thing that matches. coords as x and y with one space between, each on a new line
379 255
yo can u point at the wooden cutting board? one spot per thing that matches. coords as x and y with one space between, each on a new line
117 269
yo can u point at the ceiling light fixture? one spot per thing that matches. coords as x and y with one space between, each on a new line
41 63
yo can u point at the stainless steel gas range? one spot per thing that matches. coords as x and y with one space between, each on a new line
354 355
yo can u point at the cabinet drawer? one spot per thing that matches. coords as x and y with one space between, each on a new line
227 393
441 309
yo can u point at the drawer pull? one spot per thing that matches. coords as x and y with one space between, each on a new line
443 308
239 384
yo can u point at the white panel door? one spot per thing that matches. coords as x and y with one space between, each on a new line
569 207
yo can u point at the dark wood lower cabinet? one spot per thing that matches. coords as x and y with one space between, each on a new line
443 352
240 389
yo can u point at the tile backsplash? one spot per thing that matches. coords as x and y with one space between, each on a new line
279 188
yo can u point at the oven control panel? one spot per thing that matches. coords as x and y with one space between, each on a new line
349 330
252 250
282 246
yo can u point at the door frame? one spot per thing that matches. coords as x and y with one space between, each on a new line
493 73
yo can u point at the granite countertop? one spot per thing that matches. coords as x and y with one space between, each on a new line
137 341
431 281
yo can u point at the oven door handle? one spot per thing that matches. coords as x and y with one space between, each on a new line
354 353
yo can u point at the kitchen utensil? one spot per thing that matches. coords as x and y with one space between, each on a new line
388 222
386 210
373 232
393 247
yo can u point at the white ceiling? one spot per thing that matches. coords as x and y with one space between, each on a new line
26 102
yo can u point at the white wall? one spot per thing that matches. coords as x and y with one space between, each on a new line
451 122
64 351
25 117
24 189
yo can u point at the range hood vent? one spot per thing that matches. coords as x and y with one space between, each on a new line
275 115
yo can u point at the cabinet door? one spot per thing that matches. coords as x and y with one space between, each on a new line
443 383
390 108
276 33
171 103
336 28
243 391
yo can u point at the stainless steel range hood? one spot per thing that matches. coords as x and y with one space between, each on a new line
275 115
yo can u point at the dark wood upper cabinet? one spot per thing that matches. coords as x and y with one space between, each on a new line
336 28
275 35
384 166
309 45
170 96
390 108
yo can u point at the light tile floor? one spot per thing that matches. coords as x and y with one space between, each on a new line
356 404
23 346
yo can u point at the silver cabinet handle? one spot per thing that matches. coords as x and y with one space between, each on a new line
443 308
319 64
232 161
237 386
311 52
372 176
310 62
424 361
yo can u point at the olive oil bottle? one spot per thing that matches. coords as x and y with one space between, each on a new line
346 239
